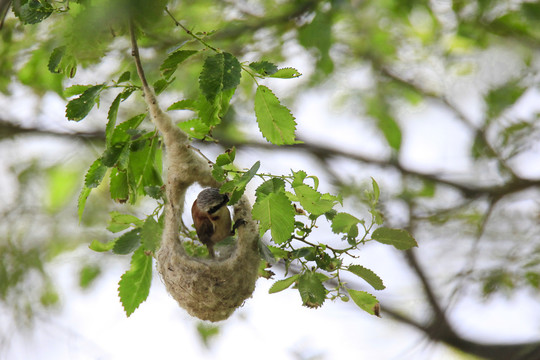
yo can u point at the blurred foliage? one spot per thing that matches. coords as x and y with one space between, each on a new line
411 54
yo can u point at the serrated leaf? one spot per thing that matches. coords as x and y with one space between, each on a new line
312 201
278 253
281 285
195 128
311 290
55 59
76 90
78 108
220 72
151 234
237 186
344 222
32 11
144 165
286 73
274 185
111 117
128 242
400 239
275 212
218 173
173 60
134 285
118 219
186 104
95 174
264 68
81 202
226 158
369 276
275 121
119 185
365 301
161 84
155 192
121 131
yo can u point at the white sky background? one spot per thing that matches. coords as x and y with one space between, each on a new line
92 324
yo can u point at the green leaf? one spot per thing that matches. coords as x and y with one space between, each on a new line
379 109
263 68
32 11
311 290
365 301
211 112
126 76
195 128
369 276
503 97
312 200
83 196
60 62
144 166
275 121
55 59
95 174
173 60
220 72
98 246
376 190
119 186
128 242
275 212
286 73
87 275
62 182
111 116
318 34
227 157
281 285
274 185
134 285
119 221
398 238
238 185
121 131
161 84
76 90
78 108
345 223
186 104
278 253
151 234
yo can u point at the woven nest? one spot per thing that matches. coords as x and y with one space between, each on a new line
212 289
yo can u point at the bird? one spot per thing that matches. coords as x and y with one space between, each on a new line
211 218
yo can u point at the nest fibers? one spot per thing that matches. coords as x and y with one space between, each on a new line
210 289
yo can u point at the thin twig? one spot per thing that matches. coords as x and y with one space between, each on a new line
190 33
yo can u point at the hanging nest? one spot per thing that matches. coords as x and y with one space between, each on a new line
210 289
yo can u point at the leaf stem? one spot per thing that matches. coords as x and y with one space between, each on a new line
190 33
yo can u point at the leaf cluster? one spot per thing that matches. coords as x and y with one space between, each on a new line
288 207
